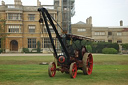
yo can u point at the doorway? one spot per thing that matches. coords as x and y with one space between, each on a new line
13 45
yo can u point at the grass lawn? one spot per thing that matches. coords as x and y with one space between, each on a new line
108 70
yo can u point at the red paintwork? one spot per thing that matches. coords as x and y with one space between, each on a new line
53 69
74 70
90 64
62 58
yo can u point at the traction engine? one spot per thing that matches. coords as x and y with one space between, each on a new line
72 57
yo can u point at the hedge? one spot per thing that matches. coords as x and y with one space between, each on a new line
1 50
125 46
89 48
109 51
26 50
97 47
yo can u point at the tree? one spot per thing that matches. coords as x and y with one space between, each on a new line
89 48
38 47
2 33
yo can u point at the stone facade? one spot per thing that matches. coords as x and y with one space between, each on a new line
23 28
24 31
117 34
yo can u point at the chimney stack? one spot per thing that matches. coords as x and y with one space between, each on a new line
121 23
17 2
89 20
38 3
2 2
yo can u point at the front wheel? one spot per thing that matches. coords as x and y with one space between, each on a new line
73 70
52 69
87 63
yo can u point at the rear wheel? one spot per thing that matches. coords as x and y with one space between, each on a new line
52 69
73 70
87 63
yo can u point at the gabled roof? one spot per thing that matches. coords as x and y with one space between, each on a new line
80 22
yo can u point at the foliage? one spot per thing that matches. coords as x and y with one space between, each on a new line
25 50
1 50
76 44
109 51
38 47
97 47
125 46
89 48
2 32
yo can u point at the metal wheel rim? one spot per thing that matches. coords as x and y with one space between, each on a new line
89 64
52 69
73 70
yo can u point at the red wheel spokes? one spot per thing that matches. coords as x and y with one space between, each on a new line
53 70
74 71
89 64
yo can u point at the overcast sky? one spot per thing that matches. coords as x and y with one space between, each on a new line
103 12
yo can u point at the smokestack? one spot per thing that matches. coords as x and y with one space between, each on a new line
121 23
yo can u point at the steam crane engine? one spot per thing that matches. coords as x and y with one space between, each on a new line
72 57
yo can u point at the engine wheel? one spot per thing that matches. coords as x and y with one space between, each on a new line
52 69
87 63
73 70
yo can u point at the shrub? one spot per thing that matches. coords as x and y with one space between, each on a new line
89 48
125 46
1 50
109 51
26 50
38 47
98 47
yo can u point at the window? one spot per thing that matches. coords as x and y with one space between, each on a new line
32 28
46 43
13 28
109 33
119 33
31 17
32 43
99 40
81 30
51 29
110 41
0 42
99 33
53 15
119 41
11 6
14 16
